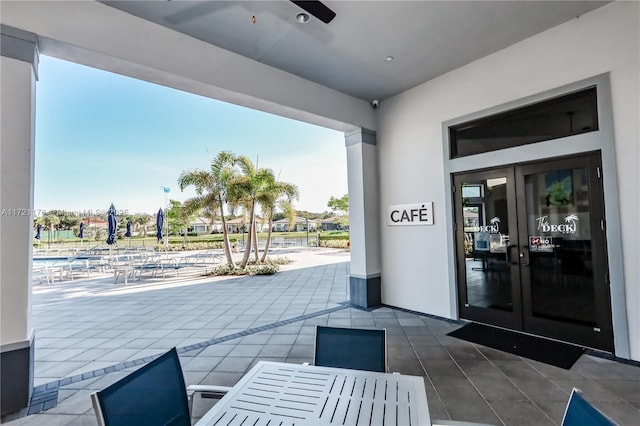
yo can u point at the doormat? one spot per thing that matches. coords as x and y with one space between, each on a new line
538 349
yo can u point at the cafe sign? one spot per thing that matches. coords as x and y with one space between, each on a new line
410 214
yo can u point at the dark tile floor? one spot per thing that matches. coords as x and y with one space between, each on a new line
463 381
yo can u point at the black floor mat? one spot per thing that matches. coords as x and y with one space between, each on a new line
538 349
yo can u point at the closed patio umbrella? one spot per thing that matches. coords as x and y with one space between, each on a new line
81 233
159 223
128 233
38 231
112 222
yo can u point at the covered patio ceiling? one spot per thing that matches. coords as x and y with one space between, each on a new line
425 39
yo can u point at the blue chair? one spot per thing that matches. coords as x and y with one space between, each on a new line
580 413
354 348
155 394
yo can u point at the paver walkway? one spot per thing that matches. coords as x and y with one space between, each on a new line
224 326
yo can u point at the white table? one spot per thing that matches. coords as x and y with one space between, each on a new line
274 393
125 271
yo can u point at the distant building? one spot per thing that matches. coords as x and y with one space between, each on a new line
235 226
282 225
331 224
204 225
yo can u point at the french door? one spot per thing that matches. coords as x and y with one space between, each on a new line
531 252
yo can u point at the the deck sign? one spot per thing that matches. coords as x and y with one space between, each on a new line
411 214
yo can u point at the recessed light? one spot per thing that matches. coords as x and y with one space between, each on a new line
389 58
302 18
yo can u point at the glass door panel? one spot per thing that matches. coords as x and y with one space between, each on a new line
486 211
559 239
531 251
563 255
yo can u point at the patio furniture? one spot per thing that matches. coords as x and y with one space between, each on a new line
286 394
155 394
46 273
356 348
72 267
580 412
125 272
157 265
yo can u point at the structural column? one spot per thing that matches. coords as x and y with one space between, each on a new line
18 74
364 218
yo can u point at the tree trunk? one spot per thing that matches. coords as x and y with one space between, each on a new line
184 237
255 241
225 236
268 243
247 247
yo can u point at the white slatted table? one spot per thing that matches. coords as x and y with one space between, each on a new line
274 393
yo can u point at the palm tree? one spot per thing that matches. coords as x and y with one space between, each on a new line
290 214
210 214
50 222
268 200
211 189
140 221
181 214
244 190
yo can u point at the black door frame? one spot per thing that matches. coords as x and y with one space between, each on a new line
521 318
601 336
508 319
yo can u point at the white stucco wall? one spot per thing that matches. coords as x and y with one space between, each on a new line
16 200
415 271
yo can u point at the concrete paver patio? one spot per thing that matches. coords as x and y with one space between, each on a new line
90 333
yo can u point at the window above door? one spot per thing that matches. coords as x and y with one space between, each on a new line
571 114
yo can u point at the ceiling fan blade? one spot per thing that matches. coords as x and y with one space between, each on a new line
317 9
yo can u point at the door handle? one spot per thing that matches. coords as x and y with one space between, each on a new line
523 262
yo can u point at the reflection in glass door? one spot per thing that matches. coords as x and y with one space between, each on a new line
564 256
535 261
559 238
488 276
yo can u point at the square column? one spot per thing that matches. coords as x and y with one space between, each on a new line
364 218
18 74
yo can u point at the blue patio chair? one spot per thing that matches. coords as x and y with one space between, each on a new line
354 348
580 412
155 394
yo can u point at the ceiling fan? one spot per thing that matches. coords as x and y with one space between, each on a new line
317 9
313 7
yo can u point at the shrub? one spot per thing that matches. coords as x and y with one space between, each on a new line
334 243
260 269
334 235
197 245
225 269
265 269
279 260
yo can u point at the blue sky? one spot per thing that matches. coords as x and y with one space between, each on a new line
102 138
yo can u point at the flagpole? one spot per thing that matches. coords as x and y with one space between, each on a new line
166 190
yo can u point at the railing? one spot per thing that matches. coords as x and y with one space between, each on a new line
282 242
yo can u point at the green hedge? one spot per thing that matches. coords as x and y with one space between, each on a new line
334 237
334 243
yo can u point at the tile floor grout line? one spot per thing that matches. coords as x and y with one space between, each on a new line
426 373
50 389
523 359
474 385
